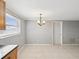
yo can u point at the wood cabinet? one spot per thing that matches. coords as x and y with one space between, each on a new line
2 15
11 55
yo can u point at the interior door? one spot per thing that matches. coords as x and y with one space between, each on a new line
57 33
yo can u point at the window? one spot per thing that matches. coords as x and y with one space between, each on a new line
11 22
12 26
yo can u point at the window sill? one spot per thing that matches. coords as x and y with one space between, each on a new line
6 35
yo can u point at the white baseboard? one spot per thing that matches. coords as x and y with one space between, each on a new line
37 44
21 48
71 44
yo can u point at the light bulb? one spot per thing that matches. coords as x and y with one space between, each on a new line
44 22
38 21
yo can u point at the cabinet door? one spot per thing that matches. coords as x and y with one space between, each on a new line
12 55
8 57
2 15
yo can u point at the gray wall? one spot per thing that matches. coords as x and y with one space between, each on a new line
71 32
36 34
16 39
43 35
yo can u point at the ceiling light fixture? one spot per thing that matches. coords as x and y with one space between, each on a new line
40 21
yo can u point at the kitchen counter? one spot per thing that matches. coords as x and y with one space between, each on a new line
5 49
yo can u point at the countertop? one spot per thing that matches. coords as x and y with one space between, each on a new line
6 49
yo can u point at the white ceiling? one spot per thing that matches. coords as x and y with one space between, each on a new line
51 9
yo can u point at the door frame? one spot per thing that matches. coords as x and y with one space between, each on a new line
61 32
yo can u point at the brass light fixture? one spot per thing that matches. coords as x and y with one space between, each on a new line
40 21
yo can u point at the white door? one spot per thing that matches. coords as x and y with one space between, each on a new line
57 33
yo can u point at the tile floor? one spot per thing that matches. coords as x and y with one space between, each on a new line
48 52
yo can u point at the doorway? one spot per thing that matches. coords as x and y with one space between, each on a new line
57 33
